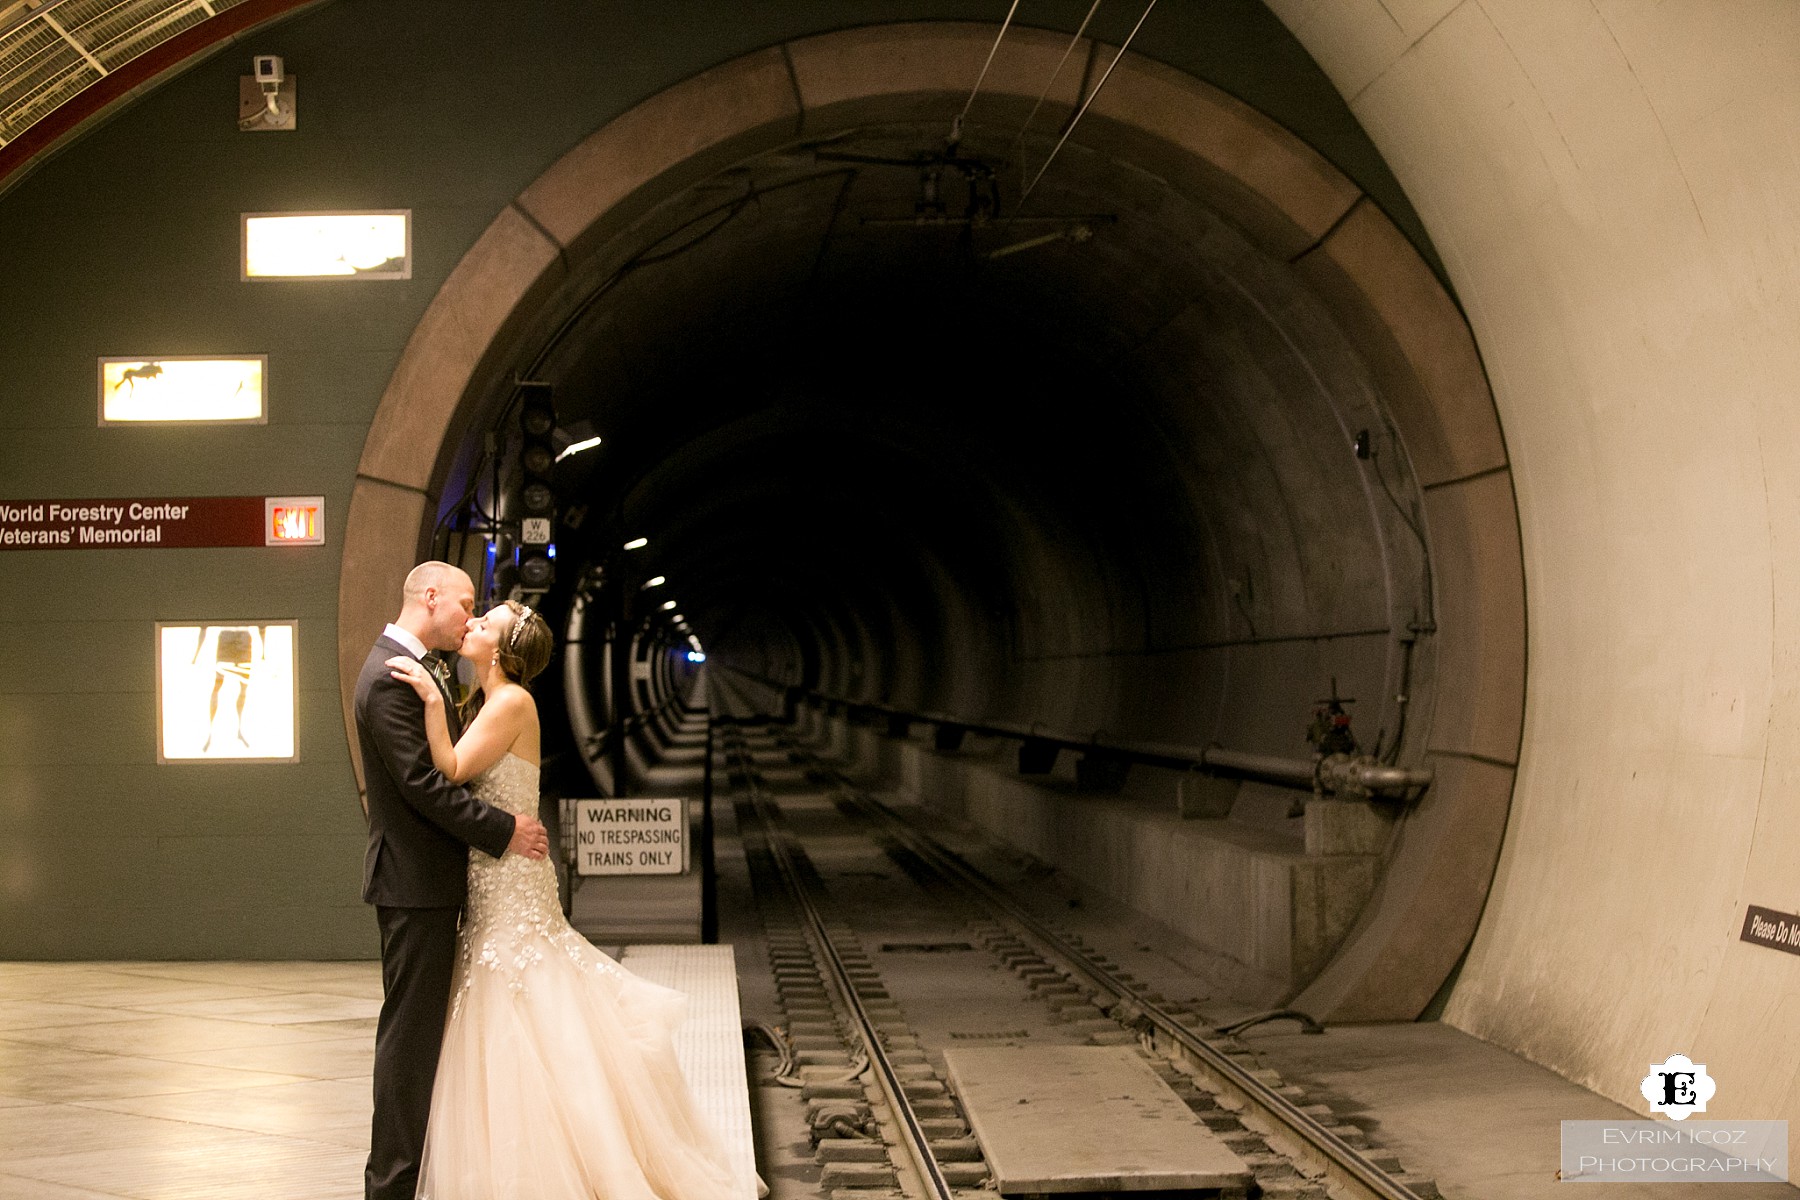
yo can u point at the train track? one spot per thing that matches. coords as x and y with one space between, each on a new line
880 1089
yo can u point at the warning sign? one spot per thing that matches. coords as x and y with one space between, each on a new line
631 837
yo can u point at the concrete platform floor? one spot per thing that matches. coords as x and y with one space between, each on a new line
193 1080
189 1080
1480 1120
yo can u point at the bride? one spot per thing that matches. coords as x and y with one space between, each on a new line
557 1077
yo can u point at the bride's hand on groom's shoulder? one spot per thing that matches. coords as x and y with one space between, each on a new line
411 671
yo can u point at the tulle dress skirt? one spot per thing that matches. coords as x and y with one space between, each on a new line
558 1078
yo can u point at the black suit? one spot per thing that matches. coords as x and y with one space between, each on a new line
416 874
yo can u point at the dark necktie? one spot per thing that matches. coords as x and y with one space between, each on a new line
440 671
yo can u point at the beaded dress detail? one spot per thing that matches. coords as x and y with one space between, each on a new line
558 1078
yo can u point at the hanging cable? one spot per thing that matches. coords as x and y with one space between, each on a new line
956 126
1060 64
1082 111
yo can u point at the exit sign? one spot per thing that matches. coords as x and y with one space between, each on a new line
294 521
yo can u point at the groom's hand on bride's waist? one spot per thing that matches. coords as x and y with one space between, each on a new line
530 839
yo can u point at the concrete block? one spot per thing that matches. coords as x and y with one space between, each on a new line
1348 826
1094 1119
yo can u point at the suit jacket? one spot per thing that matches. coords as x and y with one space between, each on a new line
420 824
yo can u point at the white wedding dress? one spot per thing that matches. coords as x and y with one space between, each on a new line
558 1078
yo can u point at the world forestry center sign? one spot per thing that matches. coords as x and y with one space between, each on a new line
162 523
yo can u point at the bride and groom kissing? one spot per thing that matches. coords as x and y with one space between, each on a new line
512 1058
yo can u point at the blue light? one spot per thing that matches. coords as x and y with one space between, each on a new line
694 656
551 550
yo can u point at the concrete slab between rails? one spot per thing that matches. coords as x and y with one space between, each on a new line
1272 913
1085 1120
1481 1121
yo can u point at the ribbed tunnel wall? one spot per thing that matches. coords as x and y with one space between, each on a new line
1111 498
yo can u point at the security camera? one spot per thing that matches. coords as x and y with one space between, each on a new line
266 98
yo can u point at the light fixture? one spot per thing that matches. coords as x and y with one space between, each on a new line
326 245
655 581
637 543
668 605
183 388
577 447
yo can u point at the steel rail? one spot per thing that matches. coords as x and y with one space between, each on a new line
1339 1162
912 1134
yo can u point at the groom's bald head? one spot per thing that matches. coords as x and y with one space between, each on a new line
431 575
436 603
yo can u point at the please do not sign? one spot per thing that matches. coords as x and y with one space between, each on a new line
638 836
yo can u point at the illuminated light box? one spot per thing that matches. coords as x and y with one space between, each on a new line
225 692
334 245
207 391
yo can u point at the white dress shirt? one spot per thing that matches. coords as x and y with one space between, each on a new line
413 645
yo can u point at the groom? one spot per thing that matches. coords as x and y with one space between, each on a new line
416 872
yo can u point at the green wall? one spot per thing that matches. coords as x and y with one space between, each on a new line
125 242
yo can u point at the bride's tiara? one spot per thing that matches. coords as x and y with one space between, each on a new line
512 637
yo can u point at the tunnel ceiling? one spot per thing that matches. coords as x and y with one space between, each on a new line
1127 432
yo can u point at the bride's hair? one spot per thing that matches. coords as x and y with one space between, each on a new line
524 648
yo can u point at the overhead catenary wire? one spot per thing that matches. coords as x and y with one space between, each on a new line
956 126
1060 64
1082 111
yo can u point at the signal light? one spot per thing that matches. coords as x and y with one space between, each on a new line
537 494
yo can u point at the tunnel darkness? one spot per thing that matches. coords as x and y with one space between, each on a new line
1153 476
1064 485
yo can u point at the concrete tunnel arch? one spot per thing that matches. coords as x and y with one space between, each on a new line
1290 202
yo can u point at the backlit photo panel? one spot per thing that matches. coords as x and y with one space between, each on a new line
328 245
154 391
225 692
